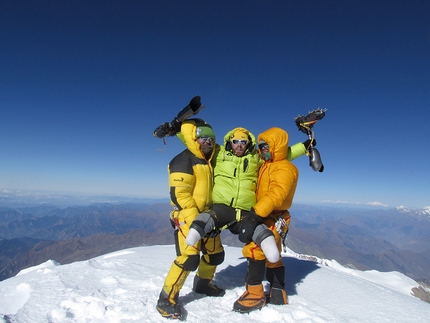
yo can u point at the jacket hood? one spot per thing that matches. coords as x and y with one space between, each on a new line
251 147
188 135
277 139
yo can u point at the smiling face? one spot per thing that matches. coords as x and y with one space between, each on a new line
239 146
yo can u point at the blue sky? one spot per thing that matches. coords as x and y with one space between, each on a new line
83 84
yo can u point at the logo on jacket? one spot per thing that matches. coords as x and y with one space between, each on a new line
178 180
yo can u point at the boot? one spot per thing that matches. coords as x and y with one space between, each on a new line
167 304
270 249
168 309
204 286
252 299
276 278
278 296
192 237
265 239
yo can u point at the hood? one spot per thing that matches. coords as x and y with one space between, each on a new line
251 148
188 135
277 139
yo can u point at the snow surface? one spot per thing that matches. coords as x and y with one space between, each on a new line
124 286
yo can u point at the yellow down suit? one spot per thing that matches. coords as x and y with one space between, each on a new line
190 181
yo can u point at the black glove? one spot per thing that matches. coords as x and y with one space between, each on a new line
168 129
234 228
308 142
247 226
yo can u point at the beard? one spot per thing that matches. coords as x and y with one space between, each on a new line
207 150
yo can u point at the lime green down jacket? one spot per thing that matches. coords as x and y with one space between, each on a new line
235 178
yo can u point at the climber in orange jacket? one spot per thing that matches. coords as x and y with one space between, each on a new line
276 186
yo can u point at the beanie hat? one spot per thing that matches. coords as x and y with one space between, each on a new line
205 131
239 135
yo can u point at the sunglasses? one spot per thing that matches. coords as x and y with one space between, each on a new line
263 146
207 139
236 141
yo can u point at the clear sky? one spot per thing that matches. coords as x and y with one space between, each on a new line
83 84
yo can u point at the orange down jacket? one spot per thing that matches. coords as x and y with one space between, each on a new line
277 179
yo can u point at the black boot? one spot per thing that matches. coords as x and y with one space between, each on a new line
204 286
276 278
278 296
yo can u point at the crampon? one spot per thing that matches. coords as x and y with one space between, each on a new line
305 124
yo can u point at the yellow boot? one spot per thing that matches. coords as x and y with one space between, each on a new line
252 299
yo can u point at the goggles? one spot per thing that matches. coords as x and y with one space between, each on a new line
207 139
237 141
263 146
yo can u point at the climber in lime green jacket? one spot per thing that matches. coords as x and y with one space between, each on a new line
236 164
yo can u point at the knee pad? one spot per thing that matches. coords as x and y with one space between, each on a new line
214 259
204 223
261 232
191 263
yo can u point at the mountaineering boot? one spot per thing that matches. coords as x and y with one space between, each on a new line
192 237
276 278
252 299
270 249
201 226
167 304
204 286
265 239
168 309
278 296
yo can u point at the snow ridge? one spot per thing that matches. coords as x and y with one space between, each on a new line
123 287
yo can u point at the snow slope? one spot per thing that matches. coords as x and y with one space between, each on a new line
123 287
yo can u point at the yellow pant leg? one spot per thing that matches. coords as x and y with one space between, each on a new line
174 282
213 255
253 251
187 260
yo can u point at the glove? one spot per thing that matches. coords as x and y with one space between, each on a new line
247 226
308 142
167 129
234 228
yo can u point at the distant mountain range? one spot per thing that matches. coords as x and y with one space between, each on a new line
384 240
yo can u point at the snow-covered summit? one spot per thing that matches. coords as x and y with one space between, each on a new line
420 212
124 286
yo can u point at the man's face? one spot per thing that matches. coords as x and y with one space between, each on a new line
263 150
207 144
239 147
